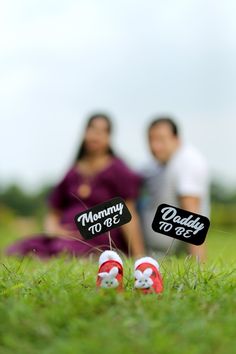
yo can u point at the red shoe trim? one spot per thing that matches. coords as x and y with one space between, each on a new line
156 277
106 267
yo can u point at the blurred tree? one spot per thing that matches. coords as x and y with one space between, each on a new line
18 202
223 206
221 194
24 203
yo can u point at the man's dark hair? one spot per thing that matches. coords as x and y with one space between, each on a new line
167 120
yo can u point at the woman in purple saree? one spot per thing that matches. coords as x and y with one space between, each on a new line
96 176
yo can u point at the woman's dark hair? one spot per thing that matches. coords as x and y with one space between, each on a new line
82 149
167 120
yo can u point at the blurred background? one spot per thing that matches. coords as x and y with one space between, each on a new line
60 61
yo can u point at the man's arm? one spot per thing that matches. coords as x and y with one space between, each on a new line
193 204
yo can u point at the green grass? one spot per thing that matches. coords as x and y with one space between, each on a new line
53 307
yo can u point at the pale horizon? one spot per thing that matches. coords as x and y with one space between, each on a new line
61 61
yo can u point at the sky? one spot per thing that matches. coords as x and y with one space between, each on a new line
60 61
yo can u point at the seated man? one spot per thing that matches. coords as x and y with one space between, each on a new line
178 176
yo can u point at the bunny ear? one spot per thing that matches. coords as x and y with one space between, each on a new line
103 274
138 274
114 271
148 272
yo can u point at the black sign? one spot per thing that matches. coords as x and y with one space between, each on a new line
102 218
181 224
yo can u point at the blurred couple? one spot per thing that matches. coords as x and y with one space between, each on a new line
177 175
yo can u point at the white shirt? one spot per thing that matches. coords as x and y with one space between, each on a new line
185 174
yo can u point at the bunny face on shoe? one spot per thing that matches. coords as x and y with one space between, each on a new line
109 279
143 280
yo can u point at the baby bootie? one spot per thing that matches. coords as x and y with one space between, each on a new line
147 276
110 273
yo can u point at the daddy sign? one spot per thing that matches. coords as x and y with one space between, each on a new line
102 218
181 224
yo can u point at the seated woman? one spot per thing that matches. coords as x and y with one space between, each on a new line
97 175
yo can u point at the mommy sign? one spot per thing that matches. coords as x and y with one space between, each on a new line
181 224
102 218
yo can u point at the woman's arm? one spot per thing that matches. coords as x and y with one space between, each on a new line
132 232
52 224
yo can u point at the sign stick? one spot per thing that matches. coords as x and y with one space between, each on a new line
110 241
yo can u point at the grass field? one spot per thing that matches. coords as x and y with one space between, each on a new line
53 307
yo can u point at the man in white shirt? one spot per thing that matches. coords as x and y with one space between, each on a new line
178 176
